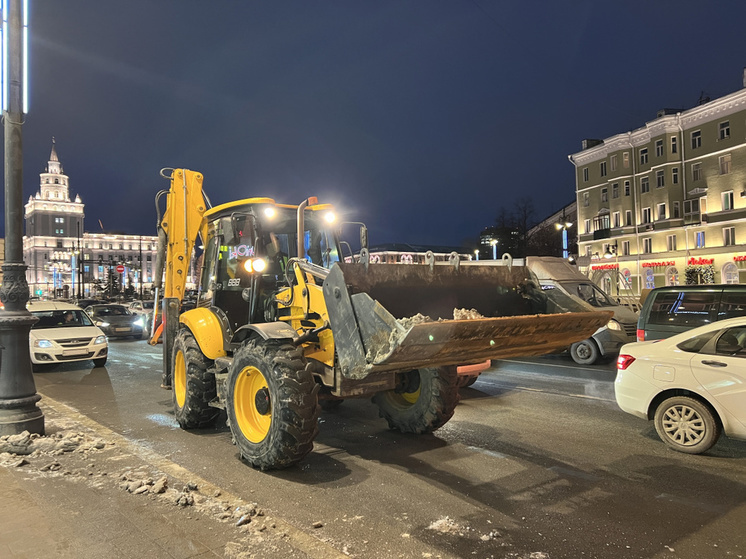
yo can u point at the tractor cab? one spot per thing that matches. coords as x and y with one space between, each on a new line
247 245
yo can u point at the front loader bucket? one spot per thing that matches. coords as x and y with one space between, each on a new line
388 317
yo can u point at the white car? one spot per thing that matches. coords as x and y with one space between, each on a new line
64 333
693 385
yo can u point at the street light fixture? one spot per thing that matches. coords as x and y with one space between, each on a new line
493 242
611 251
476 254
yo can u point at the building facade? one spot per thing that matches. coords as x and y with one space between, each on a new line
64 260
666 204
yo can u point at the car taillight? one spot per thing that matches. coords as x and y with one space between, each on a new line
624 361
640 335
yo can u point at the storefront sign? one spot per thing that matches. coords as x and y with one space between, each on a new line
605 267
700 261
740 258
657 264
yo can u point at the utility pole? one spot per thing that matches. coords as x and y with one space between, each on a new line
18 397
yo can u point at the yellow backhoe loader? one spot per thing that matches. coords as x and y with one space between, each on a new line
284 326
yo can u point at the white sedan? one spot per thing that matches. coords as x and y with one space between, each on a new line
693 385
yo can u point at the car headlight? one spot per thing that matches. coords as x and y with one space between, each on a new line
42 343
140 321
613 325
102 324
99 340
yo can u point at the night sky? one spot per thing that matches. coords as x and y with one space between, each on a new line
421 118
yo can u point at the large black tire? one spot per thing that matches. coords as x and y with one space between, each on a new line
585 352
193 386
424 401
100 362
272 404
687 425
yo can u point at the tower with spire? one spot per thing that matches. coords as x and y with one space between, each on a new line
63 259
50 213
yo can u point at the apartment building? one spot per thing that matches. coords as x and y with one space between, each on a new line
666 204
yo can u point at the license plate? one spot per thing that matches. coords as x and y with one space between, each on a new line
74 351
123 329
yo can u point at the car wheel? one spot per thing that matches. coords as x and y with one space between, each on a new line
99 362
687 425
585 352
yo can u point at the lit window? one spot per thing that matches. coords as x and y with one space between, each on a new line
727 199
699 239
625 160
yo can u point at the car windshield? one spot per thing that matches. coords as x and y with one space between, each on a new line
61 319
147 304
114 310
589 293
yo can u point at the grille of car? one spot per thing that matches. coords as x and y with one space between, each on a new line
75 357
630 330
75 342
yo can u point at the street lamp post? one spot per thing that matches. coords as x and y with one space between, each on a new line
493 242
476 254
564 226
18 397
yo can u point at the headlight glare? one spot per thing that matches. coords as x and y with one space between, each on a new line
613 325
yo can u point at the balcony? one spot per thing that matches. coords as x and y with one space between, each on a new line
602 234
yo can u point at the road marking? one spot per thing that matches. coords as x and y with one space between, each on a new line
544 391
558 365
310 545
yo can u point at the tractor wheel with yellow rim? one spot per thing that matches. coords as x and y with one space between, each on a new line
272 404
193 386
423 401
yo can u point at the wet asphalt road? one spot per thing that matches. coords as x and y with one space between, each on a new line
537 460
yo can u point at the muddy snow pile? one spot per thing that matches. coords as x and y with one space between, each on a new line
79 456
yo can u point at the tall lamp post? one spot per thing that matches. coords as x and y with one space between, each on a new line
493 242
18 397
564 226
